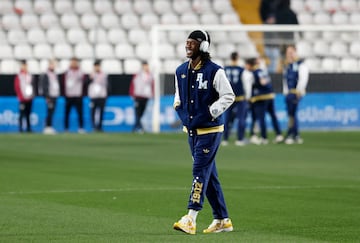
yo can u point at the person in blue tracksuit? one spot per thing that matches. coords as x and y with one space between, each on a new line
202 94
240 106
261 94
295 79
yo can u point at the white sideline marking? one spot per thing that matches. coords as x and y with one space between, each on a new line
183 188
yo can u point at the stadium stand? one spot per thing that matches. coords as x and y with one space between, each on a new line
119 32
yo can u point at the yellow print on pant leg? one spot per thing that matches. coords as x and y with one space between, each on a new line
195 198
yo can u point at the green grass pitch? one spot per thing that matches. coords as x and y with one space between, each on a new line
132 188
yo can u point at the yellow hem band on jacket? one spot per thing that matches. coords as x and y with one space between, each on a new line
262 97
176 104
239 98
294 91
203 131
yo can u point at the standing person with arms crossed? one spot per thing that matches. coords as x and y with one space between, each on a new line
234 73
50 89
202 94
24 89
74 83
141 90
97 92
295 79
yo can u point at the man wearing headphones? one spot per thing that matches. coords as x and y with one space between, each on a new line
202 94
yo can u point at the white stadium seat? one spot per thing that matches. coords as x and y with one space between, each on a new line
209 18
76 35
24 5
97 36
147 20
330 35
3 37
340 18
87 65
23 51
6 6
123 6
49 20
63 51
33 66
247 50
354 18
297 5
162 6
224 49
169 18
219 36
330 64
314 6
189 18
102 6
132 66
116 36
43 6
181 6
305 17
55 35
129 21
109 21
83 51
29 21
137 36
180 50
338 49
348 64
177 36
229 18
124 51
355 49
331 5
36 35
310 35
6 51
16 37
170 65
322 18
111 66
10 22
83 6
89 21
42 51
166 51
321 48
63 6
69 20
200 6
142 6
239 37
63 65
143 51
104 51
314 64
304 49
221 6
9 66
349 5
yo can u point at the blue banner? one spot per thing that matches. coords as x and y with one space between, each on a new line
318 111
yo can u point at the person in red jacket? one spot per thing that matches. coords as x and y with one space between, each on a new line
24 89
141 90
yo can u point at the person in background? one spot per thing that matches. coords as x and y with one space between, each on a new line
73 89
49 87
24 89
258 89
97 91
141 90
234 74
295 79
202 95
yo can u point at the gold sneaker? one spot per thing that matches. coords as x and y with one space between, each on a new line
186 224
219 225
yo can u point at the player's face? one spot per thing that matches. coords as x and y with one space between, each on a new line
290 54
192 48
74 64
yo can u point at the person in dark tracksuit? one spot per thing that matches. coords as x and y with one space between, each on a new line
73 88
295 79
24 89
240 106
97 91
260 89
202 94
49 87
